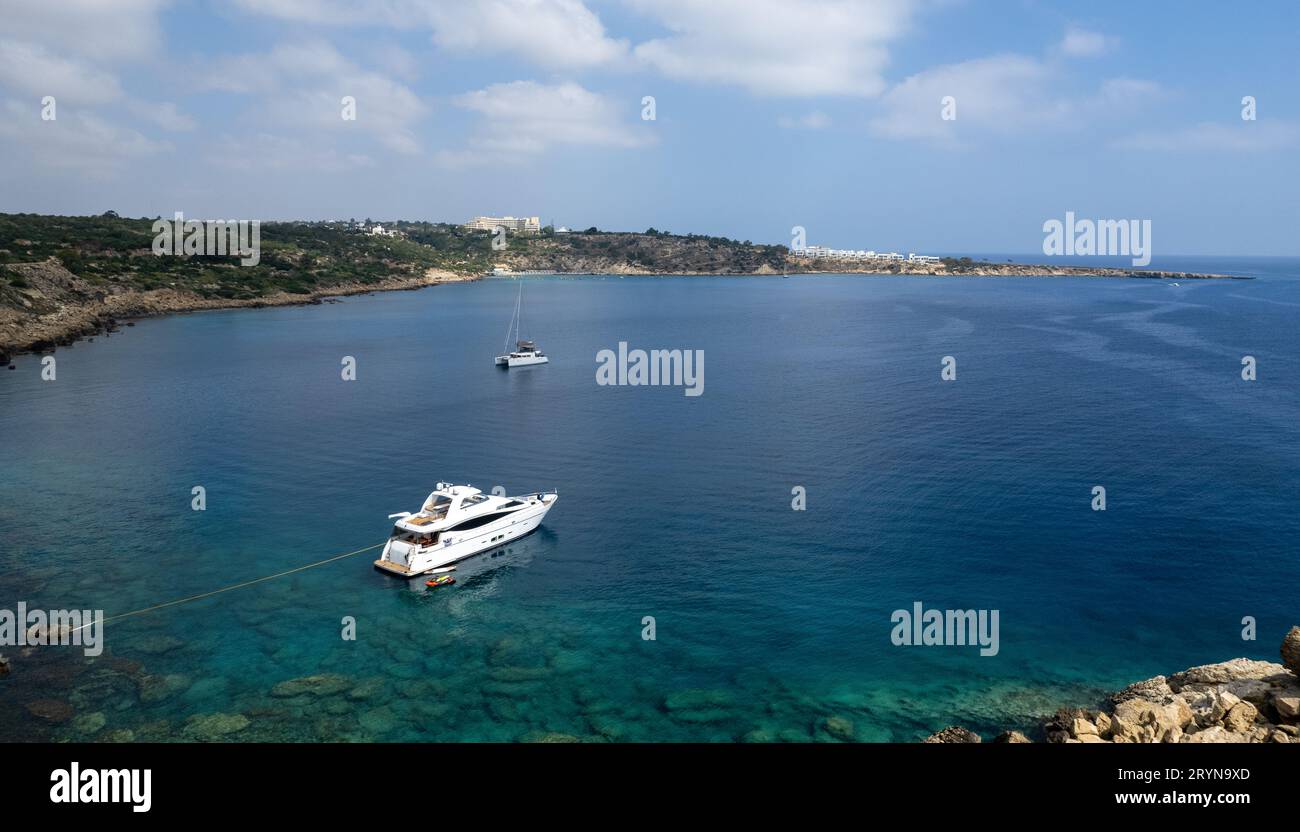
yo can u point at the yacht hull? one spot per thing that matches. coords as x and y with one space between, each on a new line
525 361
406 560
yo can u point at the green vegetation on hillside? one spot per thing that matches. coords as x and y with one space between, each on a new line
653 251
295 256
303 257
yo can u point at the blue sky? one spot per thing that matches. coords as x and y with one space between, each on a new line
824 114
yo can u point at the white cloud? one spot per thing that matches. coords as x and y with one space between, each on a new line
32 71
100 30
777 47
553 33
267 152
525 118
77 141
278 69
395 60
301 85
164 114
29 69
998 93
71 50
1125 92
1003 94
1245 137
1083 43
816 120
335 12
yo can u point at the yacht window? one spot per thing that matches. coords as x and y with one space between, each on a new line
477 521
438 504
407 536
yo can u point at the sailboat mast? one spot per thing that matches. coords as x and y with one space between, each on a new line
519 309
514 320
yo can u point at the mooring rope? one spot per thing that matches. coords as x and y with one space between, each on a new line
229 588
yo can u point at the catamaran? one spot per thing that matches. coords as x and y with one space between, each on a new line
525 351
457 522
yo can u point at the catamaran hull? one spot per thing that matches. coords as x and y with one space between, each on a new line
524 362
404 560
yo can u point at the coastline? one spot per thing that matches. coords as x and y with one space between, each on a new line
1237 701
65 309
64 440
83 311
792 266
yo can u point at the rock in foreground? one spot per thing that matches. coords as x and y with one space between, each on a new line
1241 700
1291 651
954 734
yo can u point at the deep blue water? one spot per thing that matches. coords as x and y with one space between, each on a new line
971 494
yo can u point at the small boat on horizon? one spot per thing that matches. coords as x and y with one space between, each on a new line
457 522
525 351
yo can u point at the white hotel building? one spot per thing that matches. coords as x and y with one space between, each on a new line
526 225
859 254
843 253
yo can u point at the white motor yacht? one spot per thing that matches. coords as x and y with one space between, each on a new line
456 522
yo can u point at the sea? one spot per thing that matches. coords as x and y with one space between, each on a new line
721 567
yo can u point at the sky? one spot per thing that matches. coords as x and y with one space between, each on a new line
828 115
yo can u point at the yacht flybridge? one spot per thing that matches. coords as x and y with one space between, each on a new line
458 521
525 351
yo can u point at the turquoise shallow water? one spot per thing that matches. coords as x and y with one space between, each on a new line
972 494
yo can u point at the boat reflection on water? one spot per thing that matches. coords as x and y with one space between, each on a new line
481 572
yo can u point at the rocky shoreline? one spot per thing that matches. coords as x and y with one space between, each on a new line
1237 701
57 308
999 270
561 264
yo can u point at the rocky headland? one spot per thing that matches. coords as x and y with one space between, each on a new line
56 308
1237 701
